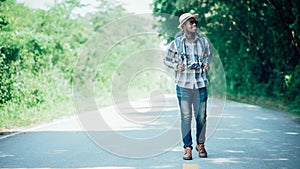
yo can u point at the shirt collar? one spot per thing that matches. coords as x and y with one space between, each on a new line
184 38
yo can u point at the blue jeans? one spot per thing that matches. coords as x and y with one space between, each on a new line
192 101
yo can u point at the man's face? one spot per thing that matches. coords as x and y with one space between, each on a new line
191 25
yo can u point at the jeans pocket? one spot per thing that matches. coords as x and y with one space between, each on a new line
178 92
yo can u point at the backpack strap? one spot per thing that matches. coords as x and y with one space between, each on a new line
180 49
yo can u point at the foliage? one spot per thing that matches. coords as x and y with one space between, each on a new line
38 54
258 42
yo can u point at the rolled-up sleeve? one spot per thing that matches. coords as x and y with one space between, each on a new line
171 59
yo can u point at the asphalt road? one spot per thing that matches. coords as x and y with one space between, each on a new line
242 136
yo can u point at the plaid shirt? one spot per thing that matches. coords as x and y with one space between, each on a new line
180 51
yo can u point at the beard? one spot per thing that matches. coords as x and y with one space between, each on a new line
190 33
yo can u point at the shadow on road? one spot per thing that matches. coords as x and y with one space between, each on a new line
247 137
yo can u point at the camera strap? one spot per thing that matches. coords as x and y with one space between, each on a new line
181 48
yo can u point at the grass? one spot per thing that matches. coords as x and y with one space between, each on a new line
14 117
277 104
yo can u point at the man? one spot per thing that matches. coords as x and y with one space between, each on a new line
189 55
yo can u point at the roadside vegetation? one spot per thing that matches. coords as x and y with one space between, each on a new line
39 50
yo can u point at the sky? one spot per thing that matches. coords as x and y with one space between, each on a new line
134 6
138 6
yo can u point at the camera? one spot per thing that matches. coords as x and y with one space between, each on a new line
194 65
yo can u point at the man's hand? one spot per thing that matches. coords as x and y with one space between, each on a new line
205 67
180 68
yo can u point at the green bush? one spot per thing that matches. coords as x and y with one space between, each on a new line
38 54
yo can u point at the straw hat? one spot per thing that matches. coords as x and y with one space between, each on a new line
184 17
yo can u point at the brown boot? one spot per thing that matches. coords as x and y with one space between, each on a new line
201 150
188 153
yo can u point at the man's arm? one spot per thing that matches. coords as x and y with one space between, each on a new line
208 55
171 59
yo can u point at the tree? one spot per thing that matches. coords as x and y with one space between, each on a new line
258 42
38 54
